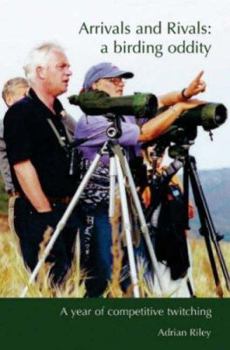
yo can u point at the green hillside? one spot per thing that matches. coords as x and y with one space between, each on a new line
216 187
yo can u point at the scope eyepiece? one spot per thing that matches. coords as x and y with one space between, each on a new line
221 115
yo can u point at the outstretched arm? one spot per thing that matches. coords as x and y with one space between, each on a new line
158 125
196 86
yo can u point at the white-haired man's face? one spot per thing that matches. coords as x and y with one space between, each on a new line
55 74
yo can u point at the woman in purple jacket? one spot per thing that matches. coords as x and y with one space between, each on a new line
96 239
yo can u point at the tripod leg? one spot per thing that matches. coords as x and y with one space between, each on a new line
219 290
62 223
186 193
144 227
207 228
190 289
189 272
213 234
127 227
112 176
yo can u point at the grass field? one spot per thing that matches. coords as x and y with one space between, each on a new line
14 276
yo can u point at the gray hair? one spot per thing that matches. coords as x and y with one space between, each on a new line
12 85
39 57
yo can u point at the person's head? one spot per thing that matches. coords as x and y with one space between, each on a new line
48 69
14 89
106 77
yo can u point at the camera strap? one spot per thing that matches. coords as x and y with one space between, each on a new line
61 139
65 143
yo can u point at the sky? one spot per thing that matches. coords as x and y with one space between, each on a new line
25 24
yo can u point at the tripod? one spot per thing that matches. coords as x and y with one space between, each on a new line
207 229
119 168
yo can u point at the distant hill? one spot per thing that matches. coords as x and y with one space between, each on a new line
216 186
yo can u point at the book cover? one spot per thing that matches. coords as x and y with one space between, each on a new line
166 44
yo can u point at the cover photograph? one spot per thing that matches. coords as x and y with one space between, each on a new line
114 138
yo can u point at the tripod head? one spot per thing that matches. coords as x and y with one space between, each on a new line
114 131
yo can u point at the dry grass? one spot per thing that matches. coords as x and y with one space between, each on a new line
14 276
203 278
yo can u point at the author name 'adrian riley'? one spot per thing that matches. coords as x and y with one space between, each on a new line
192 332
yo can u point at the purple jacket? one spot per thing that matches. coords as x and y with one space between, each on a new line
96 126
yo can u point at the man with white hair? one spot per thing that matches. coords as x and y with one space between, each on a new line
40 156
